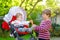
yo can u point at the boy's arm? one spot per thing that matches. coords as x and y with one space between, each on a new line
43 27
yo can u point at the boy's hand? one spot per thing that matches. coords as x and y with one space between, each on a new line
34 25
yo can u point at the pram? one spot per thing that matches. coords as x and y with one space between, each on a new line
11 17
16 35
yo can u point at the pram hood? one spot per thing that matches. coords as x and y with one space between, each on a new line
13 11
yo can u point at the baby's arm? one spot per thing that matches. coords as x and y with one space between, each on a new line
26 23
30 21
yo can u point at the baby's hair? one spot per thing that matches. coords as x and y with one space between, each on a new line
47 12
18 14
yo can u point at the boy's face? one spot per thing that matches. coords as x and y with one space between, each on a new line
46 13
44 16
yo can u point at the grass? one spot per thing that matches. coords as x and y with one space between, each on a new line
5 36
26 37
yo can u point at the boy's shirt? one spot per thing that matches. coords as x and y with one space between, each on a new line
43 29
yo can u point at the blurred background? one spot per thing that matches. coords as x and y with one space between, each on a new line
34 10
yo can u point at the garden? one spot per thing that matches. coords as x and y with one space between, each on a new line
34 10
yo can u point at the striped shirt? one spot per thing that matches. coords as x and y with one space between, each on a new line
43 29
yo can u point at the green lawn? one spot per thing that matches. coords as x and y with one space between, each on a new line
8 38
5 36
26 38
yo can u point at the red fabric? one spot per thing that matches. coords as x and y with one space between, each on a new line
13 18
22 32
5 26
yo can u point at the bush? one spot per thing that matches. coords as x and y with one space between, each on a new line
56 29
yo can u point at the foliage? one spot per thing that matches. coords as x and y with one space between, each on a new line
5 5
56 29
33 8
28 5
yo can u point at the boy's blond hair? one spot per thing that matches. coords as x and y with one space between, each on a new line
47 12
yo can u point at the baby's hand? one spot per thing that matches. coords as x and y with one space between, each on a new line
31 21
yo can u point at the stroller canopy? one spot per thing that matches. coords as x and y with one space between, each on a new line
13 11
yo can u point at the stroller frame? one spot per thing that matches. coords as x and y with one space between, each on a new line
17 35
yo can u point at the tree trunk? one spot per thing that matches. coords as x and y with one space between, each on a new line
33 7
26 4
22 3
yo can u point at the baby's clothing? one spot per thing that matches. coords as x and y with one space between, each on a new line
20 23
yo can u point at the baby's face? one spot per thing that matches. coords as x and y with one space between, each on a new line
20 18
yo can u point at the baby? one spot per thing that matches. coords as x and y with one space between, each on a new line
18 23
